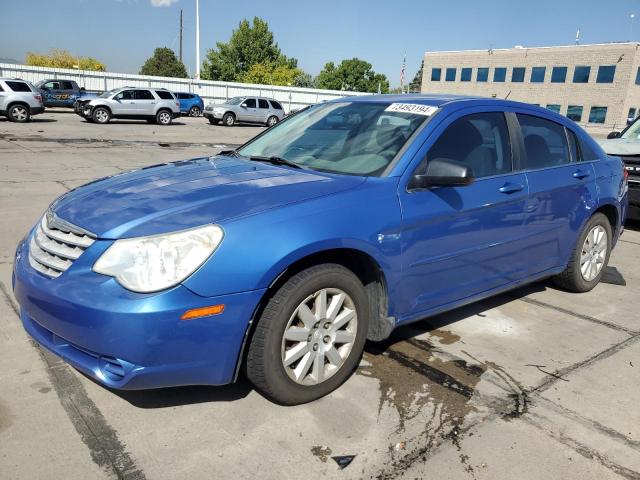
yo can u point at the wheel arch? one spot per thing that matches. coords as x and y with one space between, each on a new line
611 212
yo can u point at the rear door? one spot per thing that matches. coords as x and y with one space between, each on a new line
67 94
562 192
263 110
461 241
144 103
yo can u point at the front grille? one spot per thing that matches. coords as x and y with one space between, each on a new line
54 248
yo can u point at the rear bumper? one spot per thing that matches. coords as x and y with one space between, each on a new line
37 110
131 341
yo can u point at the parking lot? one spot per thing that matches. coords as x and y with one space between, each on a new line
536 383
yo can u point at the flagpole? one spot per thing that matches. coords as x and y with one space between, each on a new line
198 39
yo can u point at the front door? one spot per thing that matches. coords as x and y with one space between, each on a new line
249 110
124 103
461 241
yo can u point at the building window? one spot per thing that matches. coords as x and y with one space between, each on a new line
465 74
500 74
631 115
606 73
554 107
483 74
638 76
581 74
517 75
574 112
558 74
597 114
450 75
537 74
436 73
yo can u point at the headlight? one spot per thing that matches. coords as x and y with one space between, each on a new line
150 264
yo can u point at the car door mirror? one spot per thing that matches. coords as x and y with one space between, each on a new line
244 105
613 135
443 172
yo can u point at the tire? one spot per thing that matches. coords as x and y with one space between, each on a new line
582 276
265 363
213 121
101 115
229 120
19 113
194 111
271 121
164 117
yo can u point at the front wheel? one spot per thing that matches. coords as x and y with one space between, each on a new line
589 257
19 113
229 119
164 117
194 111
101 115
310 335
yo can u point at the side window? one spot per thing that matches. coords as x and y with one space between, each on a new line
144 95
163 94
275 105
52 85
18 86
1 89
480 140
574 146
250 102
126 95
66 85
587 153
263 103
545 143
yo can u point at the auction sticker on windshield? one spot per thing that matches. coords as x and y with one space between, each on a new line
426 110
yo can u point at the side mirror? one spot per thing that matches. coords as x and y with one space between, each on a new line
443 172
613 135
244 105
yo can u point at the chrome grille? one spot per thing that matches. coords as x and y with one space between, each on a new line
54 248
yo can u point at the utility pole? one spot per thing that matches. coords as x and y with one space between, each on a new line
180 35
198 39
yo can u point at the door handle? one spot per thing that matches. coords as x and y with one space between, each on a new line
511 188
580 174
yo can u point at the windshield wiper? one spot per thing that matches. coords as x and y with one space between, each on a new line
229 153
276 161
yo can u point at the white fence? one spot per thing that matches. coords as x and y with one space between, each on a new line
292 98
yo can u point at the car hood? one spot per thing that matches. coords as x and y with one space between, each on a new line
189 193
621 146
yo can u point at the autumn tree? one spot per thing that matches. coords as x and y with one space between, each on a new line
63 59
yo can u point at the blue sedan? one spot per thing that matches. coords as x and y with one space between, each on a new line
191 104
282 257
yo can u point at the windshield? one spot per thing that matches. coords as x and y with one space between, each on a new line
350 138
108 93
632 132
234 101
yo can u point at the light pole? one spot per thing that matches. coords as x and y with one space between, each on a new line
198 39
631 18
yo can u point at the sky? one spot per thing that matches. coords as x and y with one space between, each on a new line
124 33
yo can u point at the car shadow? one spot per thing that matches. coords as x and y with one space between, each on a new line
632 225
33 120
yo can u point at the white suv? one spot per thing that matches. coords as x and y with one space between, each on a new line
153 105
19 100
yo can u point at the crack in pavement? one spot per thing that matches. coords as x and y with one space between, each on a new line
106 449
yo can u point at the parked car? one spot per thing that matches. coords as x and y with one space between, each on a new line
153 105
626 144
62 93
341 223
190 103
266 111
19 100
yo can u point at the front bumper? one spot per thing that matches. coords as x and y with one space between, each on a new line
213 114
127 340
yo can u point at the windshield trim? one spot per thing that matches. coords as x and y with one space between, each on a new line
389 168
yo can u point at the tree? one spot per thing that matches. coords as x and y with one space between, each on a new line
416 83
250 44
164 63
270 74
353 74
304 80
63 59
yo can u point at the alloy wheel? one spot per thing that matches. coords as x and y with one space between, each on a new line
594 251
20 113
164 118
319 336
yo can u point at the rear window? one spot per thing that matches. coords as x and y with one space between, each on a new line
167 95
18 86
275 105
545 143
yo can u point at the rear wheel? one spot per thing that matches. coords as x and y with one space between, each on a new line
272 120
589 258
19 113
229 119
164 117
101 115
310 335
194 111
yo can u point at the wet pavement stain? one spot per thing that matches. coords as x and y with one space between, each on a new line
445 337
41 387
6 419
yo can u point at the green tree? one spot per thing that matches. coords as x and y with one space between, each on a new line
416 83
250 44
353 74
63 59
304 80
271 74
164 63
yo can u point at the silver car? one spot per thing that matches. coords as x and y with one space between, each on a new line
19 100
266 111
153 105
